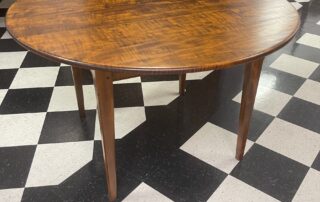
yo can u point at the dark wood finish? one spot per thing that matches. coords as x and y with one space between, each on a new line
104 91
182 84
77 79
249 90
148 36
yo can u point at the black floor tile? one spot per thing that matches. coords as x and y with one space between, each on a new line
281 81
67 127
2 31
175 123
172 126
315 75
42 194
65 77
9 45
26 100
302 113
3 12
6 77
270 172
316 163
140 151
227 117
155 112
128 95
182 177
15 165
306 52
187 114
86 185
226 83
33 60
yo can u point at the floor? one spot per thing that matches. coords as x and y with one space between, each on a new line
169 147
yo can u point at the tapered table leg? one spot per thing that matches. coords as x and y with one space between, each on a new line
77 79
250 85
182 83
104 92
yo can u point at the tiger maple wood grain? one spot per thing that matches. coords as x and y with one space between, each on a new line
152 36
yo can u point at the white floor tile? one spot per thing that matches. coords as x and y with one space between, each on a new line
309 91
130 80
97 131
268 100
294 65
234 190
11 195
21 129
302 1
312 40
291 140
64 98
64 65
215 146
11 60
53 163
160 93
126 119
268 80
35 77
198 75
309 189
296 5
2 95
6 35
145 193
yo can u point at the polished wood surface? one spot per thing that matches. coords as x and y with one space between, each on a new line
77 79
104 91
147 36
182 83
249 90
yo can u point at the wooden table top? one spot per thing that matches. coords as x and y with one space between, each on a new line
169 36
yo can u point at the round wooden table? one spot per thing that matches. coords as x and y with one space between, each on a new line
121 38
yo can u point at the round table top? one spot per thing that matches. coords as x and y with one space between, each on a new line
152 35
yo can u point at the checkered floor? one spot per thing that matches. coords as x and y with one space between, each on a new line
169 148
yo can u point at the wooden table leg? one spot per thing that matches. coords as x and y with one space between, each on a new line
77 79
104 92
249 90
182 83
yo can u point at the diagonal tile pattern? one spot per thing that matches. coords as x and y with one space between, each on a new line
266 102
309 92
12 195
144 193
53 163
169 147
220 153
301 144
308 191
21 129
308 39
294 65
233 189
